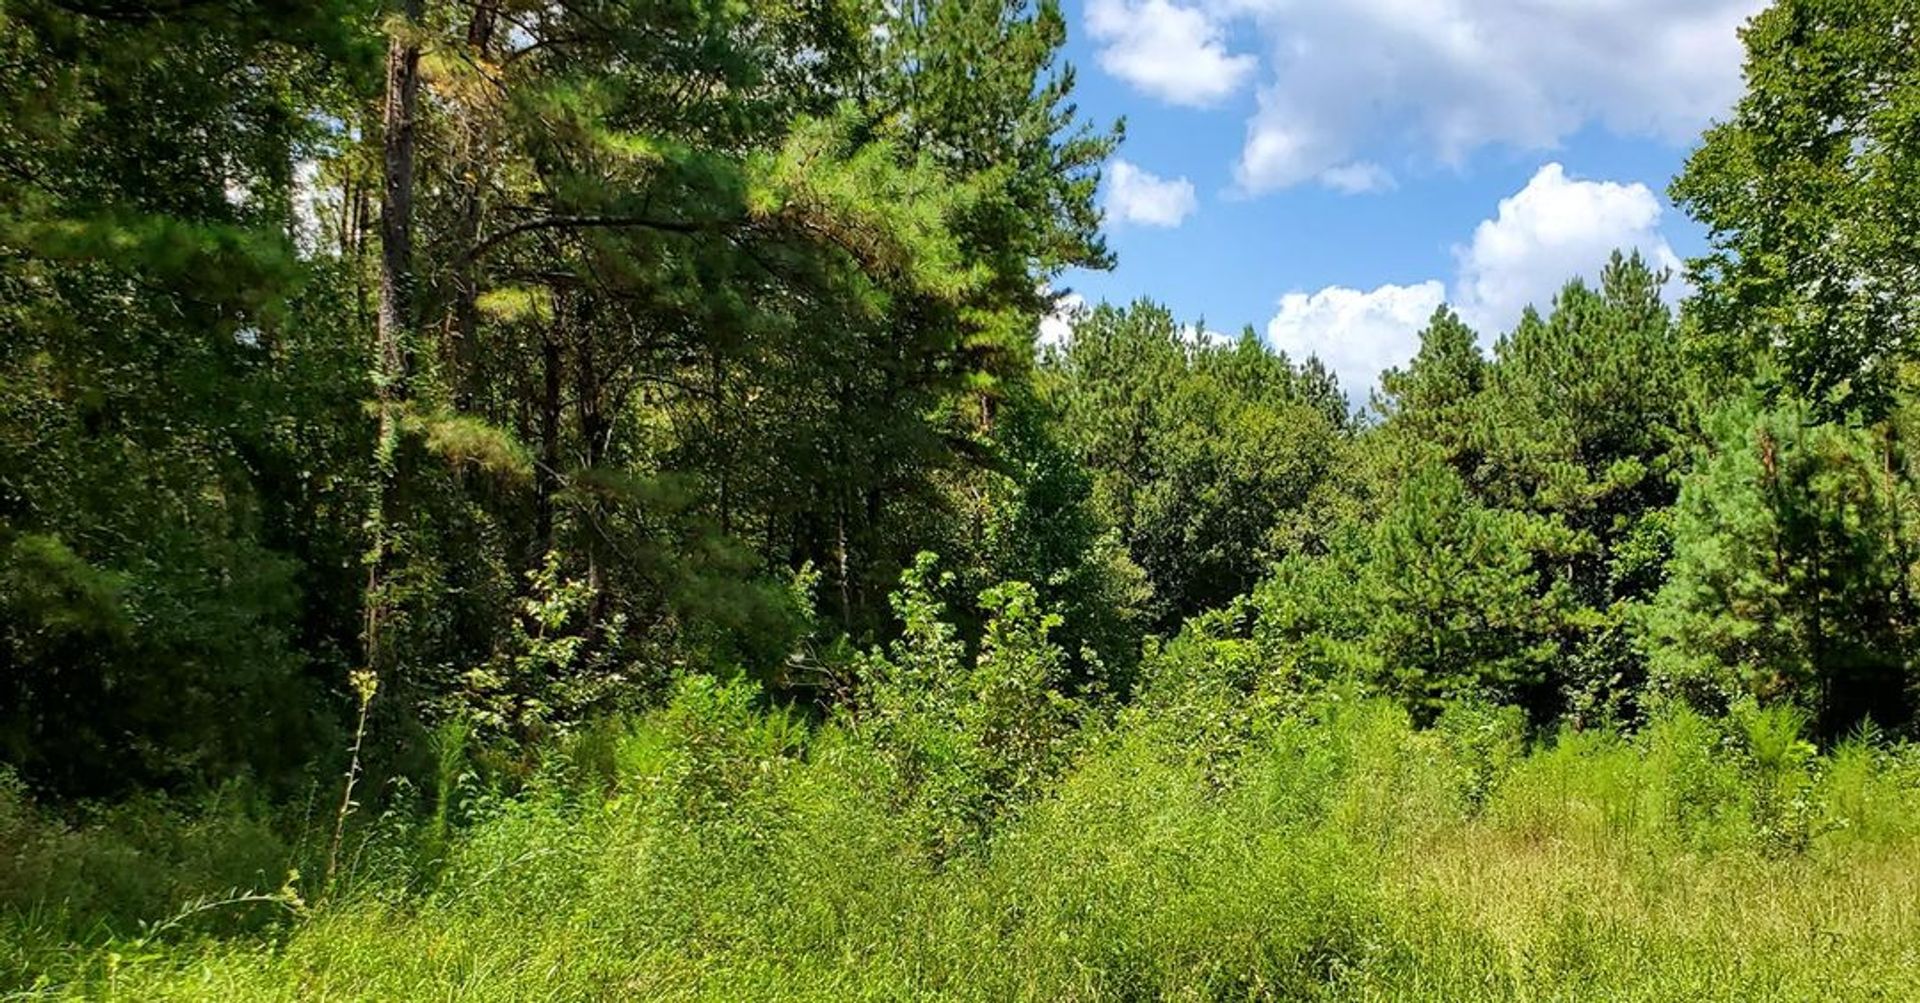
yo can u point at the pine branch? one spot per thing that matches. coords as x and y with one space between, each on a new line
493 241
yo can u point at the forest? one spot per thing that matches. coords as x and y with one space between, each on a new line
564 499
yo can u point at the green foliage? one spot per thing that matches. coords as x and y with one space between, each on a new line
1458 609
1016 713
176 394
713 321
690 335
1432 399
540 680
187 652
1496 531
967 738
1200 455
466 441
1035 521
1789 578
115 870
1439 600
1487 741
1580 419
1809 192
731 853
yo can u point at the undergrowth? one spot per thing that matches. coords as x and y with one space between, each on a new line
715 850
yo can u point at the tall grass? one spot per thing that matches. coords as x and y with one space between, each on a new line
710 852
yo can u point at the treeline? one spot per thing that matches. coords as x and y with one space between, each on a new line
378 369
515 357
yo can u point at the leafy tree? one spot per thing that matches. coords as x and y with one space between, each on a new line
1033 520
1581 425
1812 199
1537 481
753 319
967 738
1438 600
175 385
1581 415
1457 607
1431 400
1199 454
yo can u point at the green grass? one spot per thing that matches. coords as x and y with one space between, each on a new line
1337 854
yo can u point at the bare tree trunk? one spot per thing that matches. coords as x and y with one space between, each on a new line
840 558
594 407
462 352
396 212
480 27
393 354
393 358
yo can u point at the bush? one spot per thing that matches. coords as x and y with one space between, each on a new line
967 739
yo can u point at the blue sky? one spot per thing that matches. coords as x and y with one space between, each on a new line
1330 170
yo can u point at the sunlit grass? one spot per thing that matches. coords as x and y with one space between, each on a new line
1342 855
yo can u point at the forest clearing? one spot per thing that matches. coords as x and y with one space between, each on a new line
661 499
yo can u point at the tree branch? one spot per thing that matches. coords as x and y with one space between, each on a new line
587 223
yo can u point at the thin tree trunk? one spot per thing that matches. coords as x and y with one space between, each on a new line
462 352
393 348
393 356
594 411
1896 523
840 555
546 478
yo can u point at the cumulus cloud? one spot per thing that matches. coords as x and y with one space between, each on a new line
1357 334
1178 54
1138 196
1553 229
1449 76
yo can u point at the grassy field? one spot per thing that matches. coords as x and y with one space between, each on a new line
1333 854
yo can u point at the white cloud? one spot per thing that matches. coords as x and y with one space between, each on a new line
1178 54
1057 326
1138 196
1357 334
1358 178
1555 228
1446 77
1205 337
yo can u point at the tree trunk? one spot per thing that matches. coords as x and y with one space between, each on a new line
594 408
546 477
396 214
393 361
462 352
393 355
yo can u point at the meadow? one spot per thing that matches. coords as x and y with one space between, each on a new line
713 851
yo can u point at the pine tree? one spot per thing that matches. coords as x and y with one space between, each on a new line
1789 579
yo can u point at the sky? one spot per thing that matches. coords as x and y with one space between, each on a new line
1330 171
